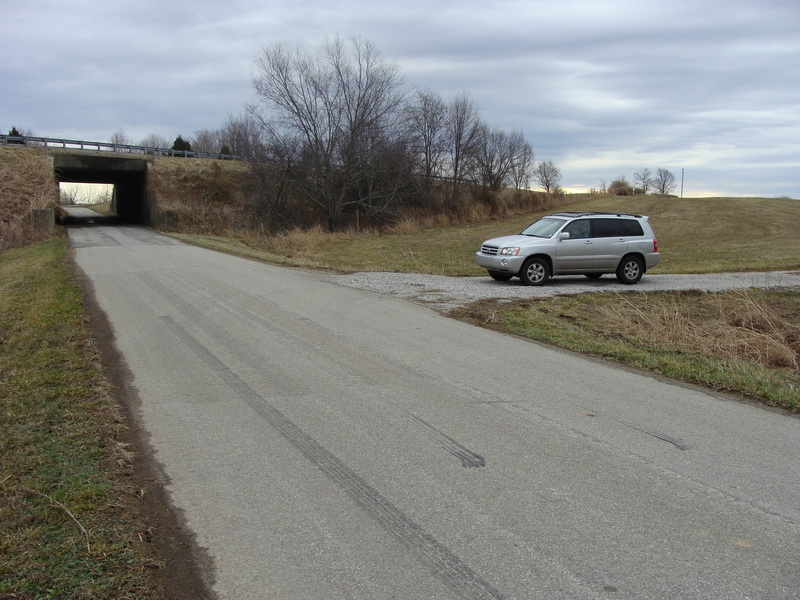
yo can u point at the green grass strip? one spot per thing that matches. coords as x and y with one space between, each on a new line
63 533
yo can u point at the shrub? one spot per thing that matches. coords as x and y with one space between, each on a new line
620 187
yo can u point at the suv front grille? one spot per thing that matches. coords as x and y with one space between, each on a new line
491 250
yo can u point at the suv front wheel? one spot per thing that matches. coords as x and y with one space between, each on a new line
630 270
534 271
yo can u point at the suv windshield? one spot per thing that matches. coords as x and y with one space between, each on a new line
543 228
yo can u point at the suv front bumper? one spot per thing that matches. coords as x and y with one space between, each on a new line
501 264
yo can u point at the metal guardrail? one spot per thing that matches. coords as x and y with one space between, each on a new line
25 140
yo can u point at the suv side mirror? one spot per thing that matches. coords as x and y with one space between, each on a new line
564 235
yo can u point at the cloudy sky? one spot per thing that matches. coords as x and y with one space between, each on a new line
707 89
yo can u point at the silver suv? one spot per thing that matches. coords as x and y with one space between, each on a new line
570 243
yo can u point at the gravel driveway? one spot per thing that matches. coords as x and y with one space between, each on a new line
444 293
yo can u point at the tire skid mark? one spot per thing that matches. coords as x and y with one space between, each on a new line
456 574
467 457
274 326
679 444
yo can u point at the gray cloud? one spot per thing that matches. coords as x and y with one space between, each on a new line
602 89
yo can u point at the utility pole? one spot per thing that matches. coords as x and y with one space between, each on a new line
681 182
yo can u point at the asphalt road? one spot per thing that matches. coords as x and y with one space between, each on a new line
81 212
328 442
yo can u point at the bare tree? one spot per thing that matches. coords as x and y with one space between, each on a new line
155 140
495 157
68 194
643 179
523 159
425 122
502 158
338 108
271 170
463 130
242 135
664 182
548 176
206 140
120 137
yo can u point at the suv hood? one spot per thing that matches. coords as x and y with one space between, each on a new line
515 240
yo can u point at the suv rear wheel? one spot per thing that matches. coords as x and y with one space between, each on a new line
630 270
534 271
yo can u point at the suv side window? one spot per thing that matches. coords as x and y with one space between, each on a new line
577 230
602 228
630 227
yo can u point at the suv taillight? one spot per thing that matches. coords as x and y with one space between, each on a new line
655 245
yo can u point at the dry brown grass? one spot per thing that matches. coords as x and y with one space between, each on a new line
315 245
298 241
744 342
27 183
198 195
746 325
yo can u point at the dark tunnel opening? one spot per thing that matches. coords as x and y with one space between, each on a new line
127 175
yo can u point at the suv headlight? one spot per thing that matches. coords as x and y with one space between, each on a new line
509 251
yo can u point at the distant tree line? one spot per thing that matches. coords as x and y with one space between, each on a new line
156 141
121 138
644 182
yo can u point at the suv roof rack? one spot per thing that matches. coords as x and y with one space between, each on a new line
591 213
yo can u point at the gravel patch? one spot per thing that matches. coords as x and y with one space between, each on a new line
445 293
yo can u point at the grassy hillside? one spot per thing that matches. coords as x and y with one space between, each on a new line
695 235
703 235
744 342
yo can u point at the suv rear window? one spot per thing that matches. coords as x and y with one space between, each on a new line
616 228
631 227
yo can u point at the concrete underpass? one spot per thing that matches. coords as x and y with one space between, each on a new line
131 204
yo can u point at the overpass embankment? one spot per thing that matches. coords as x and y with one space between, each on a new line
149 190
